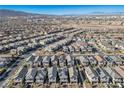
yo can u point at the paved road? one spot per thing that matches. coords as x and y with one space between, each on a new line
10 71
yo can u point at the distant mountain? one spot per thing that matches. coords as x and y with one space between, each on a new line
96 13
107 13
4 12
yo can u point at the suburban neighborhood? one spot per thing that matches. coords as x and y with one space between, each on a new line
53 51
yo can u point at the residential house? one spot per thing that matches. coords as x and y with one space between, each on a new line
116 78
54 60
70 60
38 61
71 49
92 60
100 60
91 74
62 60
19 78
63 74
30 76
46 61
73 74
84 61
21 50
120 72
65 49
30 60
103 76
41 75
116 60
83 49
52 74
108 60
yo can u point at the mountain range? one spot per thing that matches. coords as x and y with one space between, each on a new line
5 12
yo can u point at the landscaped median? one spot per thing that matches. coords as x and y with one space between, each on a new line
2 70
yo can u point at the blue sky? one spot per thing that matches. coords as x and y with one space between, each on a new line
65 9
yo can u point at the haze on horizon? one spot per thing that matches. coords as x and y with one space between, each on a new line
66 9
